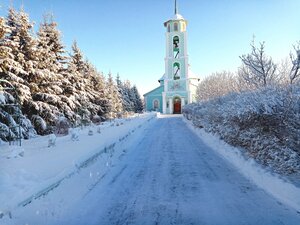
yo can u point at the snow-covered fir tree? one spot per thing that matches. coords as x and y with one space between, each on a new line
124 89
51 84
136 99
10 67
114 98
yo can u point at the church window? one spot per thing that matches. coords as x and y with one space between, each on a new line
175 26
169 29
183 26
176 71
176 47
155 105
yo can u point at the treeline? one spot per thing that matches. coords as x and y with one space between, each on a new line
53 83
256 109
258 70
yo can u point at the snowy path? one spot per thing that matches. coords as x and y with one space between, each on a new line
170 177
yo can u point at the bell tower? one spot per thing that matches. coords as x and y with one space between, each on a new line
177 91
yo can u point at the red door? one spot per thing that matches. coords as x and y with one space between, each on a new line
177 108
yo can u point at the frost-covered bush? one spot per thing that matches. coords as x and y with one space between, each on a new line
62 126
217 84
266 123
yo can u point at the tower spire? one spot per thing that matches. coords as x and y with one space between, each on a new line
176 8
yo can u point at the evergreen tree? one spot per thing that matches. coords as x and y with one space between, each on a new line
77 59
95 86
17 46
6 58
129 105
28 43
9 68
48 87
52 52
114 98
124 94
137 101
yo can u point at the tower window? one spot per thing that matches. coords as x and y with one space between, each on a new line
176 71
183 26
176 46
175 26
169 29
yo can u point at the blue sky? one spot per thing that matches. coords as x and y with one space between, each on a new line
128 37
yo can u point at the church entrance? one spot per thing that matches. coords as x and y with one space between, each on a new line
177 105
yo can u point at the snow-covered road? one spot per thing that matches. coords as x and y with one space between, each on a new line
169 176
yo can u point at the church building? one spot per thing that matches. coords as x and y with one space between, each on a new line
178 84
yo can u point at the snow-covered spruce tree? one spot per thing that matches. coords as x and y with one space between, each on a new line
97 95
44 80
3 27
129 104
77 59
6 58
258 70
136 99
86 86
114 98
12 66
9 69
23 42
11 117
124 90
75 85
50 56
48 87
28 44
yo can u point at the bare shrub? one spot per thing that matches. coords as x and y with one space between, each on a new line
216 85
258 69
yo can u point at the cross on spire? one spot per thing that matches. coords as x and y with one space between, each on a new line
176 8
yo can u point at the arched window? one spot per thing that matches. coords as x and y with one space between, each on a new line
175 26
169 28
183 26
176 71
176 46
155 105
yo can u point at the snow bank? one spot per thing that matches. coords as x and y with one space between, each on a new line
35 169
271 183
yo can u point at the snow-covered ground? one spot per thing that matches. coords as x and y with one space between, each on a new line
162 174
30 171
